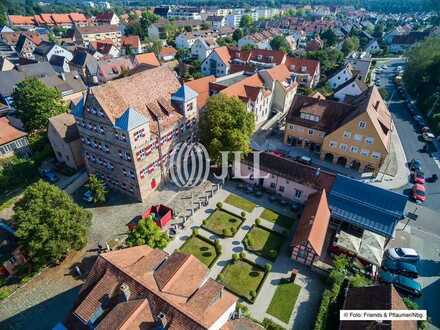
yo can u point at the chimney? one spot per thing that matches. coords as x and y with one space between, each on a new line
125 290
376 106
318 171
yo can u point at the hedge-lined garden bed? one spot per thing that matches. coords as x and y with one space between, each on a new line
223 223
278 219
243 278
202 248
264 242
240 202
284 299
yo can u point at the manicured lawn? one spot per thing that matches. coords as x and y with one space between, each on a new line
240 202
201 249
242 277
264 242
221 220
284 300
276 218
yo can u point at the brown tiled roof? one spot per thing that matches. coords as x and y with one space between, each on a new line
9 133
313 224
141 91
311 65
94 29
104 17
331 113
167 51
132 41
21 20
278 57
181 274
223 53
11 38
181 312
292 170
147 58
65 126
382 297
242 324
246 89
201 86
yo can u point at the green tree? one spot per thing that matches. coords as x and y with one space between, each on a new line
237 34
330 38
246 22
226 126
330 58
49 224
97 187
145 21
35 103
349 45
247 47
155 47
147 232
3 17
280 43
378 31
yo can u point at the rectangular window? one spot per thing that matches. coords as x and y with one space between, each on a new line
298 194
281 188
354 149
369 140
347 134
333 144
343 147
376 155
357 137
272 185
311 132
362 124
365 152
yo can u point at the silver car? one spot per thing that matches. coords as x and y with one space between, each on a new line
403 254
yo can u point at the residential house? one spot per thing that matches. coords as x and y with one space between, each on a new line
112 68
25 46
167 54
341 76
314 45
217 22
59 64
12 141
372 48
185 13
85 64
141 287
309 238
105 48
106 18
47 19
361 66
292 180
306 72
129 127
201 87
147 59
217 62
160 29
45 51
64 138
355 134
87 34
233 20
19 21
202 47
401 43
259 40
131 45
375 297
5 64
351 88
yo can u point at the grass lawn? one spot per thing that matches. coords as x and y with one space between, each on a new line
264 242
220 220
284 300
242 277
276 218
201 249
240 202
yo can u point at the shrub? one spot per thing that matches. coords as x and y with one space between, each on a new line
220 278
242 255
268 267
235 257
219 205
272 254
321 318
271 325
243 214
195 231
253 294
218 246
227 232
421 325
204 222
258 222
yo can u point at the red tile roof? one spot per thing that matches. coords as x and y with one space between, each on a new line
133 41
246 89
147 58
295 64
313 224
201 86
9 133
167 51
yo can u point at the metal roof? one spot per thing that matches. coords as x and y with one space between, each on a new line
130 119
366 206
184 94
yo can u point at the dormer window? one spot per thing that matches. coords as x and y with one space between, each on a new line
259 57
303 68
292 67
309 116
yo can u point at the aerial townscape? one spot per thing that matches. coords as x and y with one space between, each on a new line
233 165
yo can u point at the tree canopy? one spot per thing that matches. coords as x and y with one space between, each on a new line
349 45
422 78
97 187
35 103
330 58
139 25
246 22
226 126
330 38
49 224
147 232
280 43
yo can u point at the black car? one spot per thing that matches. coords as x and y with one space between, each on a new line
415 165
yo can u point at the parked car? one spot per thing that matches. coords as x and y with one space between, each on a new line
425 129
49 175
420 121
88 196
304 159
415 165
403 284
402 254
418 177
401 268
418 193
428 136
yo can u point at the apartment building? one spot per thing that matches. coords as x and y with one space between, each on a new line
47 19
129 128
86 34
354 134
12 141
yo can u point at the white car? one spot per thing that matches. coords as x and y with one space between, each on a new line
428 137
402 254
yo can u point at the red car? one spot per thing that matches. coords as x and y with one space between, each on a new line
419 193
418 177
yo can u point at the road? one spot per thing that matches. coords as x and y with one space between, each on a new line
410 136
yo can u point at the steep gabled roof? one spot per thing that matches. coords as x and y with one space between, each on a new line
314 221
